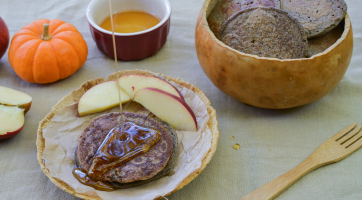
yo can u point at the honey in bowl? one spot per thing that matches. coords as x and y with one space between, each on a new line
130 21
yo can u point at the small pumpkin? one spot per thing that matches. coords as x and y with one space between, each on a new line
46 51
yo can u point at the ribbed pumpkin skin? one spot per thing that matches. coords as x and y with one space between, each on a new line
40 61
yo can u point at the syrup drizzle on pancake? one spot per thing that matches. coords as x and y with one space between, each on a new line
82 176
125 142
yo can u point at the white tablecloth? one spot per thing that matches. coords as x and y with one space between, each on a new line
271 141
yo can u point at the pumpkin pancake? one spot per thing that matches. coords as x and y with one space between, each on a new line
225 8
318 16
158 161
265 32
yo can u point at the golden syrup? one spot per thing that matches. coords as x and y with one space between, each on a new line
236 146
130 21
82 176
123 143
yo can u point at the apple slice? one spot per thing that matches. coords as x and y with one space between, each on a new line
101 97
132 83
11 97
11 121
168 108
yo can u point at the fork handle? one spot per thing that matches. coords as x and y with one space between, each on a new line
278 185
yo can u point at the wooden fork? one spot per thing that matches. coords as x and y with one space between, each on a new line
333 150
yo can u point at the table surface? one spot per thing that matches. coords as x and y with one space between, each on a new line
271 141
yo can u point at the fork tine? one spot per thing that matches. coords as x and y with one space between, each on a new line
356 142
344 132
352 133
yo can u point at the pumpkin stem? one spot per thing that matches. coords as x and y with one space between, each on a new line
46 35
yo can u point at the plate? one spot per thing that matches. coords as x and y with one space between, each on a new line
74 97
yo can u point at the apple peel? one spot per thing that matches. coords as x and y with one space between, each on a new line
101 97
11 97
131 83
167 107
11 121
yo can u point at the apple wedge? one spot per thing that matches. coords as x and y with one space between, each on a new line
168 108
11 97
132 83
11 121
101 97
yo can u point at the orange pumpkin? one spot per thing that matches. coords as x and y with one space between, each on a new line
46 51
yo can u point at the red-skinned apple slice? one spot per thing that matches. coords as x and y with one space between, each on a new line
11 97
132 83
11 121
101 97
168 108
4 37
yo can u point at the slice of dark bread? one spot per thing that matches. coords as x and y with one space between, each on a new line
316 16
265 32
225 8
154 164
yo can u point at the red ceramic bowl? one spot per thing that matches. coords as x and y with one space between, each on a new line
130 46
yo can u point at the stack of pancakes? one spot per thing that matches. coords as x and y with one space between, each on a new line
284 29
157 162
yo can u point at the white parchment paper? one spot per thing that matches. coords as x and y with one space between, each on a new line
62 134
